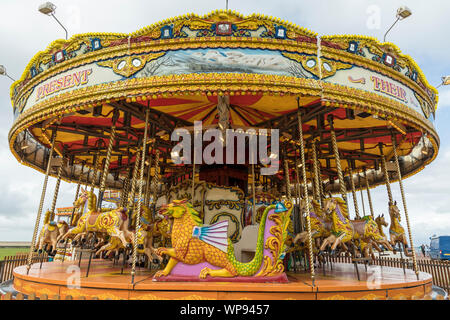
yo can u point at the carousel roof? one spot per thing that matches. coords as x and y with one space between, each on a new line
178 68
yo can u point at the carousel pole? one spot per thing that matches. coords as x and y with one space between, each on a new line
352 184
254 193
55 195
112 139
316 172
133 185
138 213
338 160
41 203
368 193
155 181
147 182
94 173
386 175
402 191
193 178
288 180
77 193
305 183
362 197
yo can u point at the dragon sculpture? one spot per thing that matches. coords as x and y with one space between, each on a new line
194 243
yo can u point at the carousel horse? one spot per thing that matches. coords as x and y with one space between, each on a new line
194 243
49 233
396 231
381 222
320 227
112 222
345 231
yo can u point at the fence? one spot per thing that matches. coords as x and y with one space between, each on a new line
439 269
8 264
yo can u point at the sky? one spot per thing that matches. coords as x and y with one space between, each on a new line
424 36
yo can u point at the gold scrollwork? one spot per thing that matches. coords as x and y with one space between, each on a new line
127 66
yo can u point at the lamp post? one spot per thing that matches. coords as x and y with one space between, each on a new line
402 13
48 9
3 72
445 81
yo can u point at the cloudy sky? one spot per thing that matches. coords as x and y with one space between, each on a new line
424 36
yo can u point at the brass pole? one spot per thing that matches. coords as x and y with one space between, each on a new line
156 179
400 182
125 189
288 180
368 193
362 197
352 184
338 159
76 194
147 182
316 172
112 139
138 213
41 203
55 195
133 184
254 193
94 173
386 175
193 178
305 183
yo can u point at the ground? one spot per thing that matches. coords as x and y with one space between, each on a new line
12 251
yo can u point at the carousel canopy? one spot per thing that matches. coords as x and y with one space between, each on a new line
179 69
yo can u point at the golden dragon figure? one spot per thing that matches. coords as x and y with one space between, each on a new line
193 243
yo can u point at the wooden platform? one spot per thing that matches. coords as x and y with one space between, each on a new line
106 281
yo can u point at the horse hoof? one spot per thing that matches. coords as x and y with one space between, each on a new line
155 261
40 251
74 243
35 250
140 246
129 246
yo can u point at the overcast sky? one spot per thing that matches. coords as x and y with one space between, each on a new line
424 36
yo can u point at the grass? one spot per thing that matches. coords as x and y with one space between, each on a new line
12 251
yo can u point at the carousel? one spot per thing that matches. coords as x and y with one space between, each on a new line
214 158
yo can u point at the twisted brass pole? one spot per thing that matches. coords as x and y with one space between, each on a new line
316 172
138 213
338 160
124 193
288 180
400 182
76 195
133 184
305 183
41 203
147 182
352 184
386 175
368 193
55 195
254 193
95 170
156 180
112 139
362 197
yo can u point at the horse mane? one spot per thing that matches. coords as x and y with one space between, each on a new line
343 205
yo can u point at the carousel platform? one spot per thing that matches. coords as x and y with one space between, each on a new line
335 282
